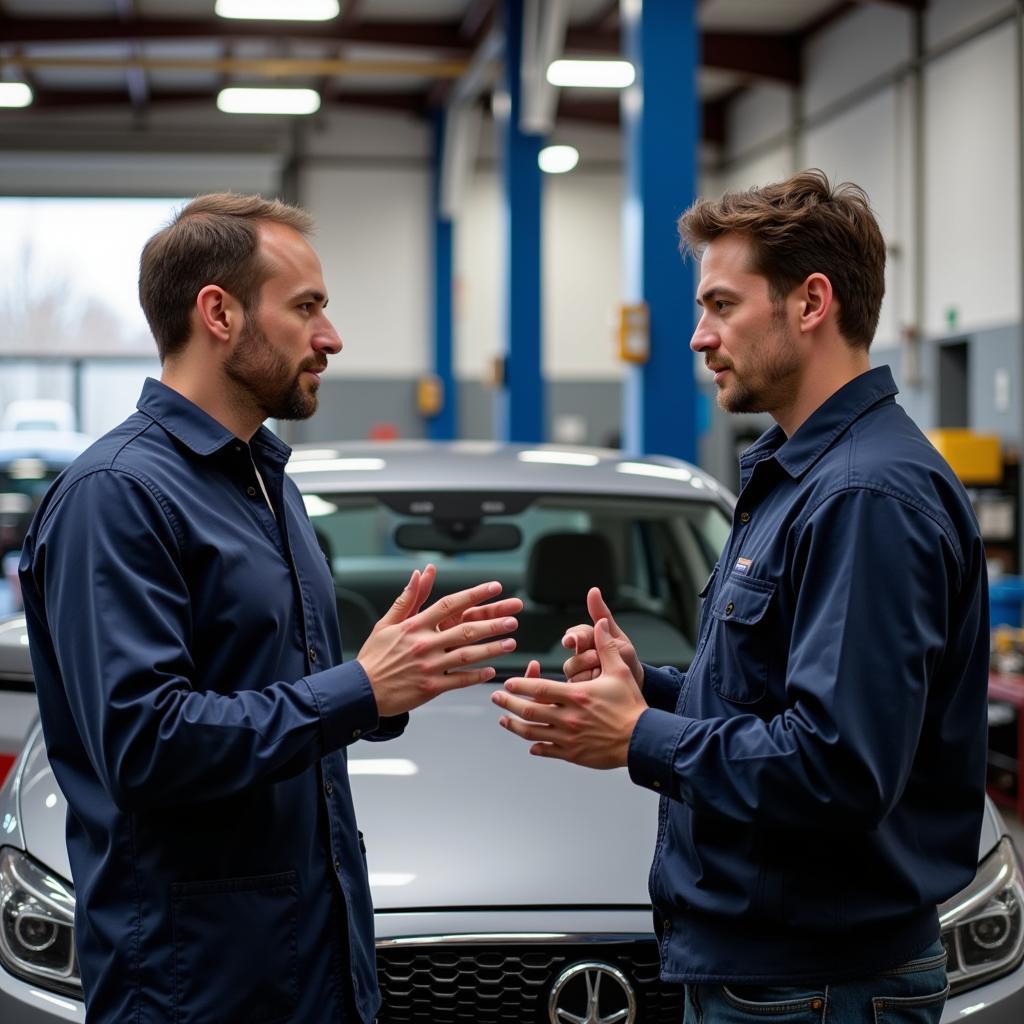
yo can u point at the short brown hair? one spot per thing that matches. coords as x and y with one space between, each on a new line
798 227
211 240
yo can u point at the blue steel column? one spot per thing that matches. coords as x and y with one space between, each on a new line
442 427
519 404
661 119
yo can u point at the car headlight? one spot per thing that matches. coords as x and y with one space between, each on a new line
983 926
37 924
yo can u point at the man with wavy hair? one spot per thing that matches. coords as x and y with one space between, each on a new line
187 656
821 763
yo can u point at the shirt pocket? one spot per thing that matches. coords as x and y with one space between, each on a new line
739 640
235 951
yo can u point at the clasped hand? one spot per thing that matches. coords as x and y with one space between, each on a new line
412 656
589 718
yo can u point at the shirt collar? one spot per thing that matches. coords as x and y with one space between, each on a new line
197 429
819 431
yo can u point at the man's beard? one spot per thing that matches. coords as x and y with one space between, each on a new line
771 381
266 379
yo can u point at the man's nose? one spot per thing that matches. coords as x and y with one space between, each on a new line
327 338
703 337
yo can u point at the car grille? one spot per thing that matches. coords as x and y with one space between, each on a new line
509 984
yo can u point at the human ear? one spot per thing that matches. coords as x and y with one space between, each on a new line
217 311
816 301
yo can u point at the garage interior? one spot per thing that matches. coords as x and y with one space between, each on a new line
482 298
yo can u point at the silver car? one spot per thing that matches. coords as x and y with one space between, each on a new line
507 888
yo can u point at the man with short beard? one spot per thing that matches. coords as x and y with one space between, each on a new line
186 648
822 761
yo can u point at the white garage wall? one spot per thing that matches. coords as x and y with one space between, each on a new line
860 146
26 173
478 301
374 244
945 19
972 191
767 165
583 274
869 42
758 115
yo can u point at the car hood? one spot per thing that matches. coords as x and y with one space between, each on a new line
456 813
482 822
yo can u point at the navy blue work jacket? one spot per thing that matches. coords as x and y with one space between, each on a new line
822 762
196 713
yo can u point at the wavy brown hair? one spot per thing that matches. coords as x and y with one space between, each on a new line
212 240
798 227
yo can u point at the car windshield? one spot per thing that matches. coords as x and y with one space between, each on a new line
650 557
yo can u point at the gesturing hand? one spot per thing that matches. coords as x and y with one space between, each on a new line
412 656
585 663
589 722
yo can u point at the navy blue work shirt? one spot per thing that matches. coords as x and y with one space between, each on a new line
822 762
196 713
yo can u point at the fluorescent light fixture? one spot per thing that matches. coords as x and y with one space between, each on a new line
650 469
279 10
320 465
592 74
237 100
15 94
559 458
558 159
382 766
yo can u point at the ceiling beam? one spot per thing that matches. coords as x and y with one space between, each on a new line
421 34
606 18
477 20
774 57
826 18
908 5
350 15
606 112
272 67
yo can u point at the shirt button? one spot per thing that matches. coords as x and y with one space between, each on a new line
744 517
328 787
656 784
251 491
337 864
312 655
356 733
729 608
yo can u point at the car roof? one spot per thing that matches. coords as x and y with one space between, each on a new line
434 466
56 447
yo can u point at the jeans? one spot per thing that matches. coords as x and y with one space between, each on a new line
912 993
